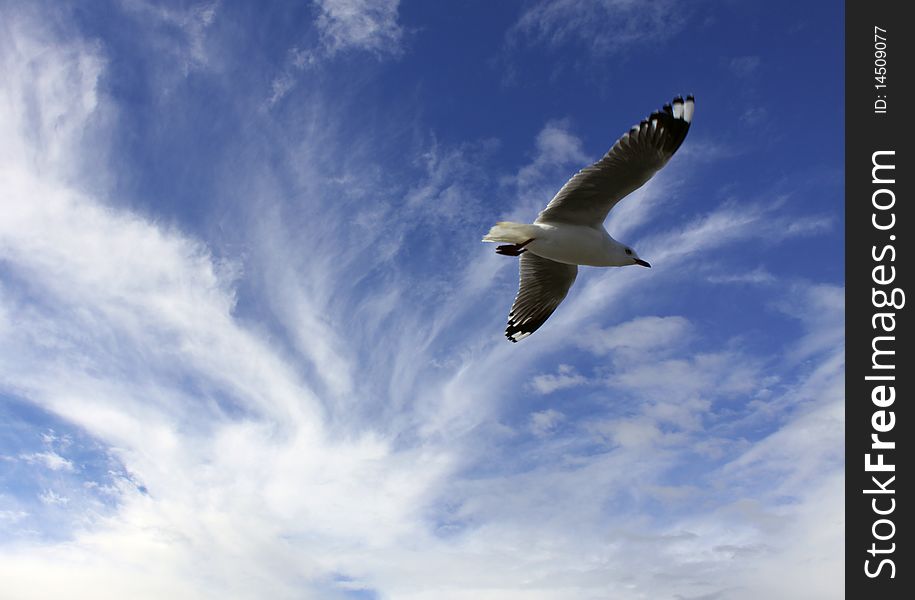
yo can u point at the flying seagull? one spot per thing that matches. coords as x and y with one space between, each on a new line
570 230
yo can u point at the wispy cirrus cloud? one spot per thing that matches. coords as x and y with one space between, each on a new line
603 27
758 276
565 377
49 459
182 31
744 66
342 26
369 25
639 335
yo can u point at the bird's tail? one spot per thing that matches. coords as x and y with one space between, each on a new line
515 233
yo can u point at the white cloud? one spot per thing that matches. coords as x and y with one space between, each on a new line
604 26
558 154
754 115
53 107
744 66
565 377
641 335
680 378
758 276
50 460
822 310
50 438
279 87
181 32
556 147
12 516
249 467
543 422
53 498
451 190
369 25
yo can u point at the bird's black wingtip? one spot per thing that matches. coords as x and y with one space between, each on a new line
518 329
676 116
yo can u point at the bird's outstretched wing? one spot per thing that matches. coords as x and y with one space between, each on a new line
544 284
590 194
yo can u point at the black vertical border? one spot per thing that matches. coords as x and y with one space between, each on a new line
866 132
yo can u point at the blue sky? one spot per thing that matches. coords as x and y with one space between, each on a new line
251 345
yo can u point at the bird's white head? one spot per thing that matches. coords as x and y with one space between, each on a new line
632 258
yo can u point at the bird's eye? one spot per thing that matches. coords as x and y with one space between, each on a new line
629 251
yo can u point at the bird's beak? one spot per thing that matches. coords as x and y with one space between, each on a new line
643 263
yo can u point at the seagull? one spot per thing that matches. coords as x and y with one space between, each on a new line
570 230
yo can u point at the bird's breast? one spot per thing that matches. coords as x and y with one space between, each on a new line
574 245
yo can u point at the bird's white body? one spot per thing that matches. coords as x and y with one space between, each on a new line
565 243
578 245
